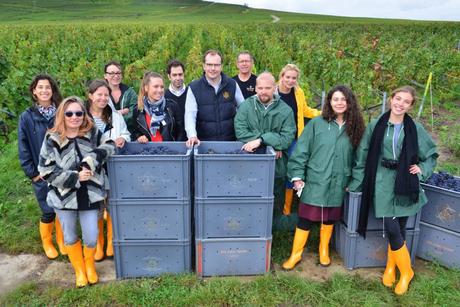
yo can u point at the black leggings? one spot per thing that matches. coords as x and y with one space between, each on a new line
305 224
395 227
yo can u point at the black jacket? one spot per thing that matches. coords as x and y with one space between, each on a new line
31 132
172 131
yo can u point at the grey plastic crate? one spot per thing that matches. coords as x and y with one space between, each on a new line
352 206
357 252
151 258
151 219
233 217
150 176
232 175
220 257
442 209
440 244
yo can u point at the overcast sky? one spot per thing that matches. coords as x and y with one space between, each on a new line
399 9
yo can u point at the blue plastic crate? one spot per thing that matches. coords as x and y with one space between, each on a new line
440 244
352 206
233 217
133 176
151 258
222 257
145 219
442 209
219 173
357 252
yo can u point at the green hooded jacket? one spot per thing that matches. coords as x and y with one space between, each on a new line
274 124
323 159
386 204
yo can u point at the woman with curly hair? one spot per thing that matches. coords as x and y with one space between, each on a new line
320 169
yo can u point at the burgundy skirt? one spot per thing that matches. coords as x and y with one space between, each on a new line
318 214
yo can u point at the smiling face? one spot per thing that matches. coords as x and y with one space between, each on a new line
212 66
100 98
401 103
155 89
289 79
339 103
113 75
72 120
244 64
43 92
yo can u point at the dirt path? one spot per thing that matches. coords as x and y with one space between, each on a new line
18 269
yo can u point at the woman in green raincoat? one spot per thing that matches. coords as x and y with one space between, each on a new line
320 167
394 154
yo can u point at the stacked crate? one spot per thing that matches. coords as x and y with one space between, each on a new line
233 209
440 227
358 252
150 206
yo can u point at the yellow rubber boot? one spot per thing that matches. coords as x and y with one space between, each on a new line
403 262
389 276
90 265
288 201
59 236
300 239
100 241
324 238
109 251
46 234
76 259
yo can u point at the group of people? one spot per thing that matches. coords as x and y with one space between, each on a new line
64 144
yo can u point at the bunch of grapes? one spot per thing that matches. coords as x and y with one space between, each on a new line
444 180
160 150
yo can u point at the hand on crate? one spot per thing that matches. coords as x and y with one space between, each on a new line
142 139
191 141
252 145
120 142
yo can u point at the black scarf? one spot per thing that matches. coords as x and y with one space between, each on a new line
406 184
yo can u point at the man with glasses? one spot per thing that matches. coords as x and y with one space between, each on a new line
211 103
245 78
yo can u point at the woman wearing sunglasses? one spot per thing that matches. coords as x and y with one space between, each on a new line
122 97
33 124
155 118
71 161
112 126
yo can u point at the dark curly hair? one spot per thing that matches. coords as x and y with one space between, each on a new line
56 97
353 117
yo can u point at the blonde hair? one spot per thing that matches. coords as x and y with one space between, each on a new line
289 67
406 89
59 122
146 81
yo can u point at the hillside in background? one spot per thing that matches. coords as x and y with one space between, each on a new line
153 11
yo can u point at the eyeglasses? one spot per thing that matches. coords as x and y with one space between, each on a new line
113 73
77 114
213 65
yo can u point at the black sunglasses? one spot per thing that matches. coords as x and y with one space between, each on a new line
77 114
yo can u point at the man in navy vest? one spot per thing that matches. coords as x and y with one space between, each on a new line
211 103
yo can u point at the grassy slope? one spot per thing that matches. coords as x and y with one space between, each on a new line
122 11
